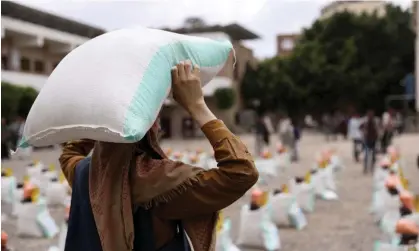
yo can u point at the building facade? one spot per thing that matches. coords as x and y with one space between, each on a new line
285 44
357 7
34 42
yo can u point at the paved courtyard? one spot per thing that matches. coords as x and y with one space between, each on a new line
343 225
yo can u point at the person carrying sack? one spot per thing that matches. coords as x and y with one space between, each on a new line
132 197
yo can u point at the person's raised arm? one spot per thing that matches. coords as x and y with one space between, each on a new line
214 189
73 153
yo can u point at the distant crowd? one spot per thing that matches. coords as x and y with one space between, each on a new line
369 132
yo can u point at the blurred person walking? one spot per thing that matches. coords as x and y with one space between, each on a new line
370 131
132 197
297 136
388 125
262 134
355 134
327 126
287 135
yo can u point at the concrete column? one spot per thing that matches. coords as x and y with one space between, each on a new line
14 57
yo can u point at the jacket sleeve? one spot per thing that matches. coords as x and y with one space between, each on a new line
216 188
73 152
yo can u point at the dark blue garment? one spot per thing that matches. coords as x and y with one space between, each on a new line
82 233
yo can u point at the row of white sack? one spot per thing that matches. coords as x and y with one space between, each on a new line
55 194
382 200
207 161
34 220
259 228
322 183
390 240
385 208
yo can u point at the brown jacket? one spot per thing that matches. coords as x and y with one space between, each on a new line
213 190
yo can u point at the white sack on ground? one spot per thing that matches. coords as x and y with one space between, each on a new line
257 229
224 241
305 195
286 211
267 170
34 220
120 80
385 203
336 163
388 225
56 193
8 186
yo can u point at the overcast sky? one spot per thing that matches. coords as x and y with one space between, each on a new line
267 18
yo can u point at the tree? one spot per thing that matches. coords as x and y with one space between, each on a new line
343 60
225 98
16 100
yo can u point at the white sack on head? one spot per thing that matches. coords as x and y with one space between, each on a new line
112 87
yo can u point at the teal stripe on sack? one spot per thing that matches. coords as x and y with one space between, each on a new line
23 143
155 84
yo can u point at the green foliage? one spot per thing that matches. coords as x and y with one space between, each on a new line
225 98
344 60
16 100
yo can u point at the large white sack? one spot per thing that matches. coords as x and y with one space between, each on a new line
385 203
257 229
17 201
305 195
283 161
56 193
317 182
267 170
112 87
328 178
27 225
336 163
379 178
8 187
388 225
286 211
224 241
34 220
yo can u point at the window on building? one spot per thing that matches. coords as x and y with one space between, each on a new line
39 66
25 64
4 62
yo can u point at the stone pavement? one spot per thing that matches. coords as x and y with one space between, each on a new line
343 225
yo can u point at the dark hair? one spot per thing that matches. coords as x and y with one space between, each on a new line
404 211
277 191
393 191
299 180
